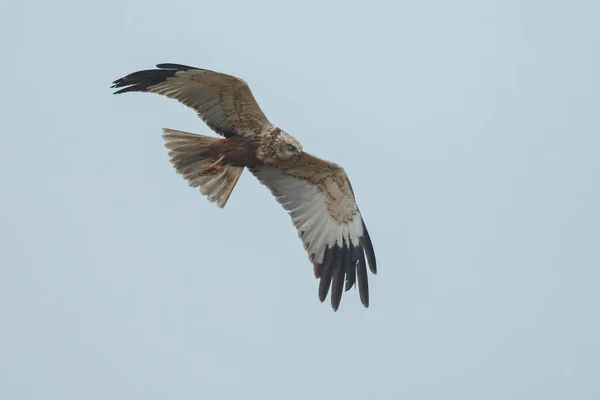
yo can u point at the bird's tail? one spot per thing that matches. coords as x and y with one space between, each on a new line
189 154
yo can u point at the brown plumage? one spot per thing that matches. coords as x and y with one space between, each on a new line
316 193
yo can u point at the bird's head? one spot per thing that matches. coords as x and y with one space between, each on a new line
287 147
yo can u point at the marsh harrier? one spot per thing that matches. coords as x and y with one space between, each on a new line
316 193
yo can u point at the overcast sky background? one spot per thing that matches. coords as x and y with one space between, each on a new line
470 131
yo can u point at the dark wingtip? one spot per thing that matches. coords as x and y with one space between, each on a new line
125 90
140 81
341 269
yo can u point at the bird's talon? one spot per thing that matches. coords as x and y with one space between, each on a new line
209 171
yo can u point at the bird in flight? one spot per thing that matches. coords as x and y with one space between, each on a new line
316 193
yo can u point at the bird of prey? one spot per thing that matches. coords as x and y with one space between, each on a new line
316 193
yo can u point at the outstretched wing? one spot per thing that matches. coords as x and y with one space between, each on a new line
224 102
318 196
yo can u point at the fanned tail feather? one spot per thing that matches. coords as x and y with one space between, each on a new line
189 154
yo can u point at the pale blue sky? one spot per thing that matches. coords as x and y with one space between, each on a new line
470 130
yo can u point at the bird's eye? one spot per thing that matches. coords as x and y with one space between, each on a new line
290 147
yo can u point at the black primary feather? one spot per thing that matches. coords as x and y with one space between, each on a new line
368 245
363 280
351 267
330 261
337 286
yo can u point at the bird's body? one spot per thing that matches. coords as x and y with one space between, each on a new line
238 151
316 193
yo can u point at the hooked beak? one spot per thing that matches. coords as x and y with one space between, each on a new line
299 153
